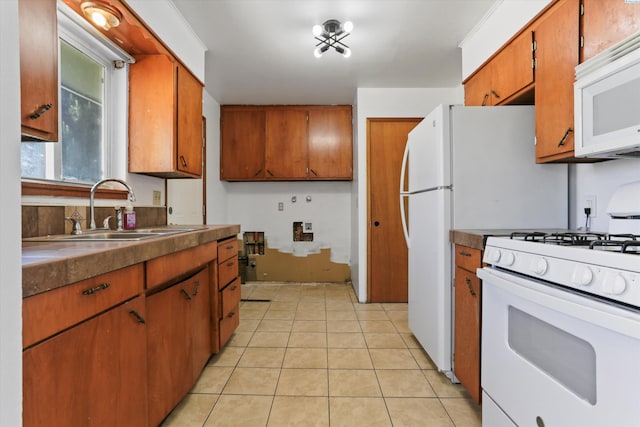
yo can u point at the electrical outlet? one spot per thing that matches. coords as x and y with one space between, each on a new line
590 202
156 198
280 206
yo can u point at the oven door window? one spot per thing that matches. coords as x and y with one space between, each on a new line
566 358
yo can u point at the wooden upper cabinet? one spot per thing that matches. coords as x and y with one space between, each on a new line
286 144
38 69
165 119
557 40
330 143
242 153
506 77
606 22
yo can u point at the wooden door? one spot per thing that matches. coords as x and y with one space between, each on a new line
169 347
39 69
189 118
93 374
286 144
556 58
387 264
241 143
330 143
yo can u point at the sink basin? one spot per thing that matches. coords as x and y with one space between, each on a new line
110 235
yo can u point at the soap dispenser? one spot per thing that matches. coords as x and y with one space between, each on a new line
129 218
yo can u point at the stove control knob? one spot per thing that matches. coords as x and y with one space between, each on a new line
614 285
582 276
493 255
508 258
540 266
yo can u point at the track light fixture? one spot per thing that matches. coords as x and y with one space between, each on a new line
330 34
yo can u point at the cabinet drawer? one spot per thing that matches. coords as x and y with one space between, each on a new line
468 258
228 325
230 298
48 313
227 271
227 249
162 269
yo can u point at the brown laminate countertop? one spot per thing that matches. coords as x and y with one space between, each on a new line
476 239
49 265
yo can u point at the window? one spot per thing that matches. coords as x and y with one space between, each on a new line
86 92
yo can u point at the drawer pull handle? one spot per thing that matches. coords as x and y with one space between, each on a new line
463 253
230 264
139 318
234 287
96 289
229 247
471 291
195 290
41 111
186 294
230 315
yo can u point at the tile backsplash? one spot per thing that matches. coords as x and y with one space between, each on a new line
48 220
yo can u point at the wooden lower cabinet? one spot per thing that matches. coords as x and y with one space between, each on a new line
467 324
91 375
178 342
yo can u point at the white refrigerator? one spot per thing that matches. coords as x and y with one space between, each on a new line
468 168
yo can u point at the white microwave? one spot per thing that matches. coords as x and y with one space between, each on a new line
607 102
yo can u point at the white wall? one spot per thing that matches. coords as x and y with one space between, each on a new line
10 217
254 205
216 191
504 19
600 180
405 102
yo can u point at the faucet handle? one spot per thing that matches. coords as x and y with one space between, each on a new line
76 226
105 222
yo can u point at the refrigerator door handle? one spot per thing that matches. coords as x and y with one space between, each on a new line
403 218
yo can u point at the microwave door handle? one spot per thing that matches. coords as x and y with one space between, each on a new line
403 217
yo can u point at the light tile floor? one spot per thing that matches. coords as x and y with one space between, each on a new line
313 356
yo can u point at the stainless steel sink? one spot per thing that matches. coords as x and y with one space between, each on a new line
110 235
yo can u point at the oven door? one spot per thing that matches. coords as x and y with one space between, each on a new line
554 358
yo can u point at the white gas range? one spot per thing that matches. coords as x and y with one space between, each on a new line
561 325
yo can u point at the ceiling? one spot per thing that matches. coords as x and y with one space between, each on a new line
261 51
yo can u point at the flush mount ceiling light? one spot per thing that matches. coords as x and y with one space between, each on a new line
330 34
101 14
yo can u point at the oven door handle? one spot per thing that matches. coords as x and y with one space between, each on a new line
623 321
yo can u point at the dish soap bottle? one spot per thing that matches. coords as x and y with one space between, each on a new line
129 218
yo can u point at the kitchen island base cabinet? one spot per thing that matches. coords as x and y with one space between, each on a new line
467 325
91 375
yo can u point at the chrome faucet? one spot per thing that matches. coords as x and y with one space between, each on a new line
132 196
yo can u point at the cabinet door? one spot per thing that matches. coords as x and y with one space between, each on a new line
286 144
467 331
189 123
200 288
39 69
512 69
241 144
477 88
91 375
606 22
169 347
330 144
556 36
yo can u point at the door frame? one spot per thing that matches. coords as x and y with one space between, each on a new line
368 151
